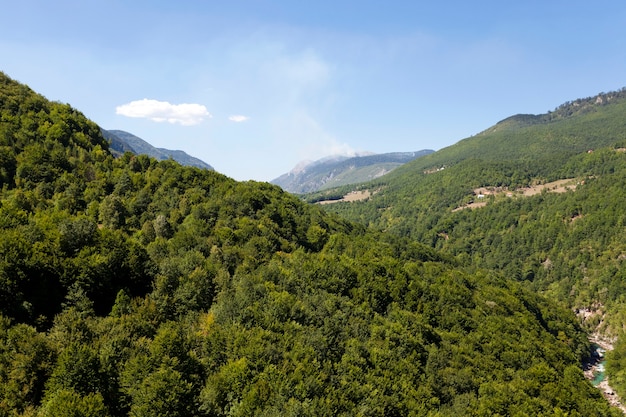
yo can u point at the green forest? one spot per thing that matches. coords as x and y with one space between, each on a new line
136 287
567 246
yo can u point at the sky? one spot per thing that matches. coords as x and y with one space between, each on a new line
255 87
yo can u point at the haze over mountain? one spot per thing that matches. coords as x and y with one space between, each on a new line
336 171
123 142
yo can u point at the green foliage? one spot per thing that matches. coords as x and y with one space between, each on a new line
135 287
568 246
78 370
67 403
512 154
26 360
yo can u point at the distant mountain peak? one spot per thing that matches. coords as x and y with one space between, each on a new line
301 167
121 141
337 170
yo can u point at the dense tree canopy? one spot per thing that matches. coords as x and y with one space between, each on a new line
568 245
135 287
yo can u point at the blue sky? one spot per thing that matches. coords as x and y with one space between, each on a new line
254 87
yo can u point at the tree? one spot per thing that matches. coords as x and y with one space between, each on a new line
163 393
112 212
68 403
26 361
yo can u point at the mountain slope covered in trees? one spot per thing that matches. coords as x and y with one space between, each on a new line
518 152
567 245
131 286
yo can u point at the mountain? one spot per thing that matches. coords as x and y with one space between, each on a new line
121 142
132 286
537 197
516 152
543 142
117 145
341 170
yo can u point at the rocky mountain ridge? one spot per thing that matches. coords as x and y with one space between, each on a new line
336 171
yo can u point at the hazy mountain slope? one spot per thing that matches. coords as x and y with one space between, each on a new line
123 141
130 286
335 172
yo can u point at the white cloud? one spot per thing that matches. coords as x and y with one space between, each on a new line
238 118
161 111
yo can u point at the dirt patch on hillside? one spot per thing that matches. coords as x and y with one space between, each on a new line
350 197
473 205
559 186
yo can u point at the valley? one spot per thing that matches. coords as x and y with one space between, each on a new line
132 286
595 367
556 223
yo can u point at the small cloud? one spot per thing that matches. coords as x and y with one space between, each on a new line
161 111
238 118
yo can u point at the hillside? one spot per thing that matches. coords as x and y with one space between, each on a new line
514 153
131 286
121 142
337 171
543 142
566 243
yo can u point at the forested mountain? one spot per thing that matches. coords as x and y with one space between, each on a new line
131 286
481 200
337 171
120 142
